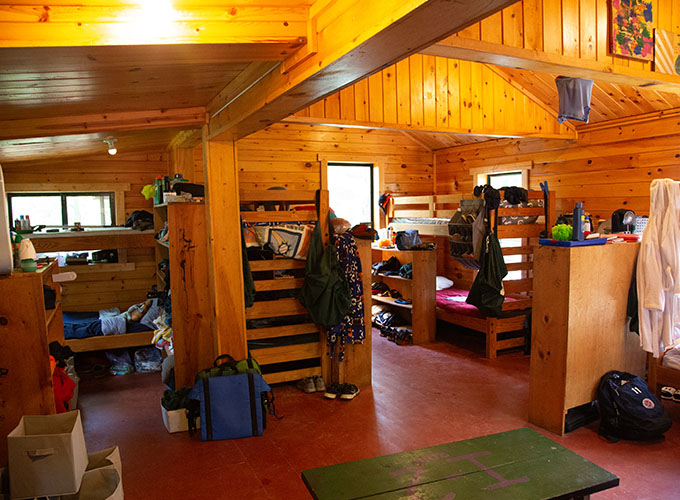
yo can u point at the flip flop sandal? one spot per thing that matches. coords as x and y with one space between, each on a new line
669 393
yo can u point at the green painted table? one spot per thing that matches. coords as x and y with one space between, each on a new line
515 465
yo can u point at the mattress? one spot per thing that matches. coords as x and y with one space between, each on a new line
82 325
419 220
453 300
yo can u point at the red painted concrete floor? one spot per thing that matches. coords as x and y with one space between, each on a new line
421 396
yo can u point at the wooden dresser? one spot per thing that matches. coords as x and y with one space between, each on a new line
579 327
26 329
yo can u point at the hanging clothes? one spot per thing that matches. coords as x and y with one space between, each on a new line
486 292
658 269
352 328
574 98
325 292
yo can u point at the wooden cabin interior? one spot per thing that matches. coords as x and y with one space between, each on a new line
244 96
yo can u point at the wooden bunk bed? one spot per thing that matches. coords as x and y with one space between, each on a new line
507 331
296 349
121 239
659 375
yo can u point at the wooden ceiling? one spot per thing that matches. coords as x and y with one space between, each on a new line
101 78
609 101
40 83
48 82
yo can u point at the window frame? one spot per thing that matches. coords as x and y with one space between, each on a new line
63 196
372 174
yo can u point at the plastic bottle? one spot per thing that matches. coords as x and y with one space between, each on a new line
28 223
158 195
22 223
578 221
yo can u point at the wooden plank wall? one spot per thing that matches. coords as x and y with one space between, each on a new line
574 28
285 154
108 285
604 177
435 92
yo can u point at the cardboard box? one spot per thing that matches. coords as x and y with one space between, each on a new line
176 420
47 455
99 484
103 478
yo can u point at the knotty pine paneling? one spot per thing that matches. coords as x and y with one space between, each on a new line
604 177
284 155
103 288
574 28
442 94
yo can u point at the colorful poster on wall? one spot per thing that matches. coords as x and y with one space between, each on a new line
631 29
666 52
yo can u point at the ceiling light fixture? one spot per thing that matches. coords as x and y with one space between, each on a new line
112 147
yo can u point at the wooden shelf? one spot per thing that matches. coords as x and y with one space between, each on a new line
393 277
51 313
392 302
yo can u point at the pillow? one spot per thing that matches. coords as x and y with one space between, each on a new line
290 240
255 235
150 315
443 283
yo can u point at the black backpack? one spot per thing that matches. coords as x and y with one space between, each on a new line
628 409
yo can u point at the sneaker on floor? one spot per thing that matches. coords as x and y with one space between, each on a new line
668 393
306 385
676 396
332 391
349 391
319 384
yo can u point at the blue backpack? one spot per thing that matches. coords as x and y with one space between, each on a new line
628 409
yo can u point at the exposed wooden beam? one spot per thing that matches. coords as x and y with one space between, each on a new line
355 40
109 122
112 22
337 122
501 55
246 79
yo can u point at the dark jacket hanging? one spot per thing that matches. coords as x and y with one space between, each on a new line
325 292
485 292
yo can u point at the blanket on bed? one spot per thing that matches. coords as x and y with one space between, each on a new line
80 325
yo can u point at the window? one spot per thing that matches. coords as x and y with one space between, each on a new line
63 209
350 187
505 179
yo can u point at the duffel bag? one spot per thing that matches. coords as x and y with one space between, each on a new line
231 406
225 365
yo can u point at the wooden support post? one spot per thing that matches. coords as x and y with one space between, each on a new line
224 248
357 366
491 337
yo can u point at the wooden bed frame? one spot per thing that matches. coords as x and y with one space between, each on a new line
104 342
659 375
514 312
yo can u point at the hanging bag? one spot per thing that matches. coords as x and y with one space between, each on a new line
325 292
486 292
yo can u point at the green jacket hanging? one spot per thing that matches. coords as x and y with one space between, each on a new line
248 282
487 290
325 292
